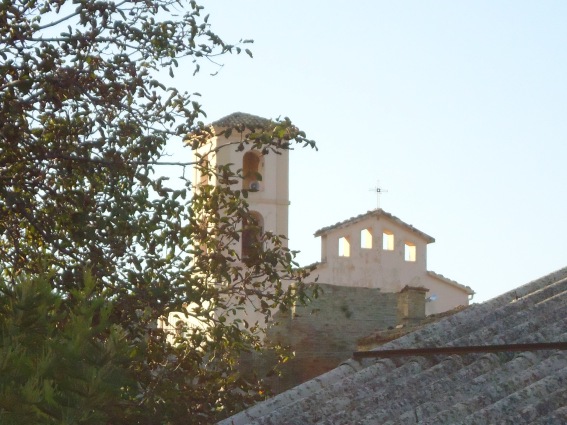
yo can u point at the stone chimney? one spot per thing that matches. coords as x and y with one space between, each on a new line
411 304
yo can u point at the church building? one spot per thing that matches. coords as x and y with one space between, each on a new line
378 250
373 250
372 274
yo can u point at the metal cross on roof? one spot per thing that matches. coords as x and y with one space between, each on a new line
378 191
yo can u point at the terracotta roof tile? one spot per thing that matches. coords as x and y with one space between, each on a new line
375 213
242 119
519 388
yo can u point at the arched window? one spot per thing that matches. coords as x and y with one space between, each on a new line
388 241
366 238
252 170
344 247
410 252
252 235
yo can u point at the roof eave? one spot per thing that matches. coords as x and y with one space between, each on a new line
451 282
378 213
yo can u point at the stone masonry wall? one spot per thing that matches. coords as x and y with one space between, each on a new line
325 333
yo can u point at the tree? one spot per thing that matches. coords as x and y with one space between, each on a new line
59 367
85 119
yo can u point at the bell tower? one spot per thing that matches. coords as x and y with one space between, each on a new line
266 176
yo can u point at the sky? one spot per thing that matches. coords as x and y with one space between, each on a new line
457 108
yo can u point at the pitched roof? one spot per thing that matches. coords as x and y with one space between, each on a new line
452 282
375 213
519 388
242 119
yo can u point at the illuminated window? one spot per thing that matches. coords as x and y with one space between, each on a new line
387 241
344 247
366 239
252 171
409 252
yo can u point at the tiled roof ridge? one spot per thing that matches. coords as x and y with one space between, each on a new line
533 312
465 379
405 370
452 282
288 398
539 378
476 315
387 335
242 119
377 212
418 374
558 416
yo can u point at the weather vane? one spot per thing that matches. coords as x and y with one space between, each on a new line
378 191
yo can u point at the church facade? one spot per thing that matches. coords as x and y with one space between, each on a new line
379 250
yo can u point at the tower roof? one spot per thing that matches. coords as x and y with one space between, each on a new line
242 119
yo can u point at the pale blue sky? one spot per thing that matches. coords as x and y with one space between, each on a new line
458 108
